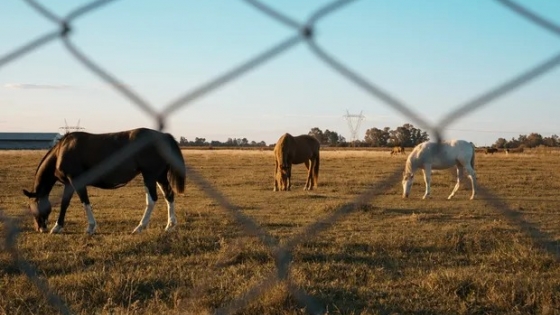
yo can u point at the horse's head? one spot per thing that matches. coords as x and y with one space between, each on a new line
40 208
407 180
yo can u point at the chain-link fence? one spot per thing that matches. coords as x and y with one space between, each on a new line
302 32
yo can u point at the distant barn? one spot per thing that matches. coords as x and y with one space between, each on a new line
27 140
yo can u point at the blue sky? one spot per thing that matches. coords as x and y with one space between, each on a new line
430 55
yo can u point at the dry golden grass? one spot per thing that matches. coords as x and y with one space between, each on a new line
389 256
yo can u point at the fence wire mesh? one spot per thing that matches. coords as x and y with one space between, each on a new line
304 32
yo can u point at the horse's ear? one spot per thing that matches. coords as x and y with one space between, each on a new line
29 194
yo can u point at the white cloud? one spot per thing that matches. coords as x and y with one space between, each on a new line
29 86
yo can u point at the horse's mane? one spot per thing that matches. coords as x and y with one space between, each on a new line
49 152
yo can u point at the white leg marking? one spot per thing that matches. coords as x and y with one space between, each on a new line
56 228
171 218
147 214
459 176
472 177
427 180
92 225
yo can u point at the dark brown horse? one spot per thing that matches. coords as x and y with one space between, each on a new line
296 150
81 159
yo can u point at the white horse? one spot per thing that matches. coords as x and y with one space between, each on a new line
430 155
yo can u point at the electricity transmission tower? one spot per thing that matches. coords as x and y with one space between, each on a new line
68 129
354 122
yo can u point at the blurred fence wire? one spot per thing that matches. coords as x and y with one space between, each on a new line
304 32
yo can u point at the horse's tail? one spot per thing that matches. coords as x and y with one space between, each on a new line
177 176
316 168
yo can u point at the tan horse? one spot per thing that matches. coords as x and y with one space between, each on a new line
296 150
398 150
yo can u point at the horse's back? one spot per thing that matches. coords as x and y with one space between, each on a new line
80 151
307 147
97 147
299 149
307 141
444 155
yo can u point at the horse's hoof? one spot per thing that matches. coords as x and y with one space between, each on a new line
170 226
56 229
138 229
91 229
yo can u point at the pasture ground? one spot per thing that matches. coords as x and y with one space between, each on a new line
388 256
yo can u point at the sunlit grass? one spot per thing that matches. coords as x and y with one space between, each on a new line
391 256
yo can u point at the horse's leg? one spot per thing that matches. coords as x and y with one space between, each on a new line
276 176
66 197
459 177
472 177
289 178
92 225
316 172
308 182
151 198
169 195
427 179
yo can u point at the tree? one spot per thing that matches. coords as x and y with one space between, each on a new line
376 137
551 141
183 141
514 143
317 133
533 140
199 141
408 136
332 138
501 143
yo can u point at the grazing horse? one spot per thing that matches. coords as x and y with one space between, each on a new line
79 155
398 150
430 155
490 151
296 150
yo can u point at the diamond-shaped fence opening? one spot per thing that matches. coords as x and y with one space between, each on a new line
303 32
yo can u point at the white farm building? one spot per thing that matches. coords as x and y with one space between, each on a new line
28 140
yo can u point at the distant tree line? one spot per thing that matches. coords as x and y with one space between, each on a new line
528 141
406 136
230 142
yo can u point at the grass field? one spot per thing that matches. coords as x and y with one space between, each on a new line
498 254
